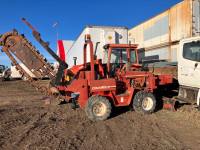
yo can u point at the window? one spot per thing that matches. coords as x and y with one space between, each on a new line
116 53
133 56
191 51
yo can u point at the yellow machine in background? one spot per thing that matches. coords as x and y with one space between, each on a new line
69 75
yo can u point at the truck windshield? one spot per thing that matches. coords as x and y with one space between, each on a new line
1 69
116 53
191 51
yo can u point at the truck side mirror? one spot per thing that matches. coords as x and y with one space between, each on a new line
196 64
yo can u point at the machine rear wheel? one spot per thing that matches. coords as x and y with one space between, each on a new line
144 102
98 108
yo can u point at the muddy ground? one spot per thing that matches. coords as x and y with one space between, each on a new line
26 123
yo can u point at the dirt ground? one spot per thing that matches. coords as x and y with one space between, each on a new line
27 123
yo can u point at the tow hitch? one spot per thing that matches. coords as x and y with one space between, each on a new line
169 104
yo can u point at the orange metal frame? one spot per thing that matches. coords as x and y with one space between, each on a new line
91 58
124 46
87 85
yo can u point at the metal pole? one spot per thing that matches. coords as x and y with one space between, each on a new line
57 40
57 34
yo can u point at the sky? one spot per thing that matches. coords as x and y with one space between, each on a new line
72 16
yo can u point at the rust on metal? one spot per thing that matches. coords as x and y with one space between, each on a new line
29 24
180 20
168 70
166 29
62 64
16 44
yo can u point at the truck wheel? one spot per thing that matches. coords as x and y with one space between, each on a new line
144 102
98 108
24 78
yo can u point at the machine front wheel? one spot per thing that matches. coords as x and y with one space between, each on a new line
144 102
98 108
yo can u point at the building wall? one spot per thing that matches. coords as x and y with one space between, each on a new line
166 29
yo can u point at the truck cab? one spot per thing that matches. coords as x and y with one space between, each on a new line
189 70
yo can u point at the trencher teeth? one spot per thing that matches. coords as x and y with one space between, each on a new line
38 51
41 56
33 48
8 33
15 32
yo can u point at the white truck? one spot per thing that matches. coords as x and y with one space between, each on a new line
189 70
100 35
5 73
16 75
186 72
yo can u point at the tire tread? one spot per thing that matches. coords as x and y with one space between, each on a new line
137 102
91 101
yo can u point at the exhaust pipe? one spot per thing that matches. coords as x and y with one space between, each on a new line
74 58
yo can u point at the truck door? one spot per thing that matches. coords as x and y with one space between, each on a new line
189 64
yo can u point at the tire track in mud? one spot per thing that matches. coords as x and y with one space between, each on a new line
44 123
18 127
173 134
180 133
33 127
154 136
53 129
78 136
25 123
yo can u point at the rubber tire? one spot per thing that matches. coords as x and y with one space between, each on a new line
91 102
138 99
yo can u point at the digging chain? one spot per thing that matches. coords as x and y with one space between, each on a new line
19 46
